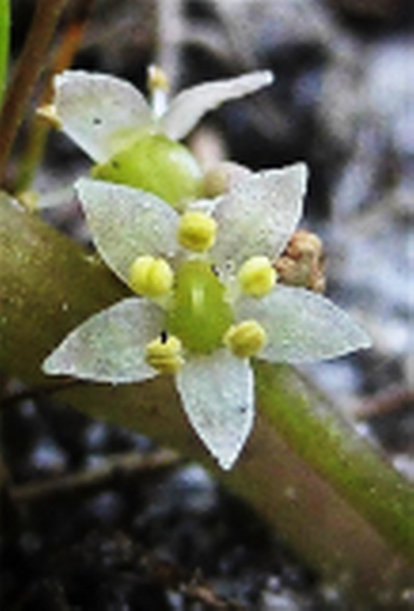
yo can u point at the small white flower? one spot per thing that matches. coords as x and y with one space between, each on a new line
105 115
222 306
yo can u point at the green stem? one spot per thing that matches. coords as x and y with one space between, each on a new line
4 45
327 443
30 64
327 493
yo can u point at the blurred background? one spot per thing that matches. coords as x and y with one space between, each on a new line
343 101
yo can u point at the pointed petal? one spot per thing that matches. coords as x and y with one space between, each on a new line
259 214
189 106
217 392
302 326
126 223
102 114
110 346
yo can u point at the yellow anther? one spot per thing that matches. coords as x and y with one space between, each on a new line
157 79
165 354
257 276
246 338
197 231
150 276
48 112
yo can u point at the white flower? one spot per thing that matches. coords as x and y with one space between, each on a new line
208 320
105 114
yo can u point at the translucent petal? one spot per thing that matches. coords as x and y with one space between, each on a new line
110 346
189 106
217 392
302 326
126 223
259 215
102 114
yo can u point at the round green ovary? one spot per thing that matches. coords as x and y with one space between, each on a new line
200 315
156 164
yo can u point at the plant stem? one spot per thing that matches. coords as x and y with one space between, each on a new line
4 45
33 149
27 72
323 489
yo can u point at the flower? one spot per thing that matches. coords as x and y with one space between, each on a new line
208 300
133 142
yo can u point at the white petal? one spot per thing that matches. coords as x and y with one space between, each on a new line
102 114
110 346
126 223
190 105
302 326
259 214
217 392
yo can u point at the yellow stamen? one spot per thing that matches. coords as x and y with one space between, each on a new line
48 112
165 354
150 276
257 276
197 231
157 79
246 338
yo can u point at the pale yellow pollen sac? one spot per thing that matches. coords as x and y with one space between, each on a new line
257 276
157 79
197 231
165 354
151 276
246 339
49 113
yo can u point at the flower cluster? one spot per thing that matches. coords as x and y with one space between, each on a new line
207 296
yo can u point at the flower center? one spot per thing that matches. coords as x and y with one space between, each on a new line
199 315
156 164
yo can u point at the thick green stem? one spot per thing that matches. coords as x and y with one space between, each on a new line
325 491
328 444
31 62
4 45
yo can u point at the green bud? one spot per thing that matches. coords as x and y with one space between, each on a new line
156 164
200 315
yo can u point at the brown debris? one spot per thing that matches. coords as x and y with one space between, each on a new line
302 262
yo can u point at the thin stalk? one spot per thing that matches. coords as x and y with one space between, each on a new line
33 149
4 45
27 72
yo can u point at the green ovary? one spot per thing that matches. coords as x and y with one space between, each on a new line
199 315
156 164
